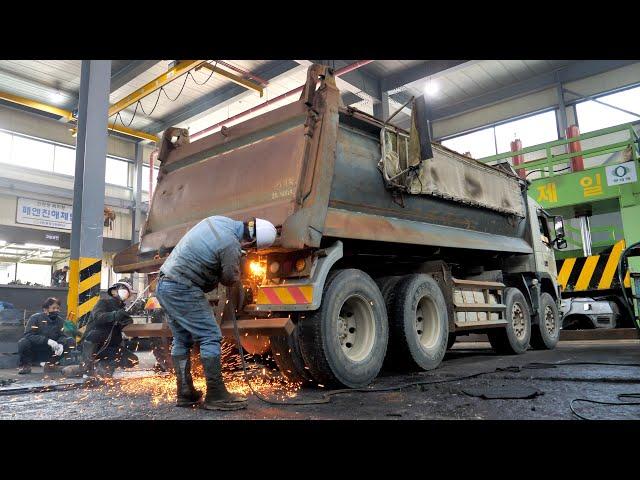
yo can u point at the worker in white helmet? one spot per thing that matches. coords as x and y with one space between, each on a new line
208 254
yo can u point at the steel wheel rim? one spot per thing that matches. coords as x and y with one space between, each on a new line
427 323
518 321
356 328
549 320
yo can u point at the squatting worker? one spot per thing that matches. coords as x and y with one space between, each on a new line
208 254
43 334
59 277
102 345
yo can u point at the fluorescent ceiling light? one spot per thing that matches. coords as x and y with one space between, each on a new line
57 97
3 243
431 88
42 247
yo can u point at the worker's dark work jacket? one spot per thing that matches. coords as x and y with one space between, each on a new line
209 253
41 328
102 319
59 277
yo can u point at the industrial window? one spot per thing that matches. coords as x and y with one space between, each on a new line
32 153
594 116
145 178
64 160
117 172
5 147
35 274
479 144
532 130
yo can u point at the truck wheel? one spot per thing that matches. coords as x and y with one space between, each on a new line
387 286
514 338
546 334
344 342
419 325
285 351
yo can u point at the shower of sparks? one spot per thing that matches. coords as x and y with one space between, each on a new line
161 387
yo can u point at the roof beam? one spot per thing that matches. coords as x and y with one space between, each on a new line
219 96
181 68
248 84
429 68
130 71
570 73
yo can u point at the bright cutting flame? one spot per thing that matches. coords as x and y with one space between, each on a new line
152 304
258 269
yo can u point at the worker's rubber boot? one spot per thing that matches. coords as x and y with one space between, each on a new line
87 366
186 393
51 368
218 398
87 362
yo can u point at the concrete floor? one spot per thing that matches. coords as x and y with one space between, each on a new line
438 401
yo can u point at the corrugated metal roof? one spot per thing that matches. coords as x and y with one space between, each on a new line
481 77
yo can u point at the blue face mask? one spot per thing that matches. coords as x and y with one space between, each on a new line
53 315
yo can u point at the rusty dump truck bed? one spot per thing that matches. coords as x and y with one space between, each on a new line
311 168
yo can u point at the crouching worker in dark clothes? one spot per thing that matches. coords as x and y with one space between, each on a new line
43 336
208 254
102 345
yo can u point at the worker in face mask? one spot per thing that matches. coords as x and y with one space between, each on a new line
208 254
43 334
102 344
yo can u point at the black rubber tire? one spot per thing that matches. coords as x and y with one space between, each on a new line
541 339
285 351
408 352
319 343
387 286
451 340
503 340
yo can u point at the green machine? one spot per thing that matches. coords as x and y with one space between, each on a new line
592 180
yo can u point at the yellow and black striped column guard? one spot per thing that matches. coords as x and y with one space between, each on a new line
84 287
595 272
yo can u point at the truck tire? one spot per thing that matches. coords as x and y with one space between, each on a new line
387 286
546 334
514 338
419 324
344 342
285 351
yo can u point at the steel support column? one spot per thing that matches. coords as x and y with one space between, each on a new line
381 110
85 263
562 112
137 207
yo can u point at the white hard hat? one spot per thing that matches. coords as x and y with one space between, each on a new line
265 233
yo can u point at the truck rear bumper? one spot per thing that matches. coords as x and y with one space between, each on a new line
260 326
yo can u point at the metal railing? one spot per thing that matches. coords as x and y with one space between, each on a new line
545 164
575 238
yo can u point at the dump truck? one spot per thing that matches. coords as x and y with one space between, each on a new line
389 245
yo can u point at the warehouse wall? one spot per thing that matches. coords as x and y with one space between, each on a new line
38 126
8 204
537 101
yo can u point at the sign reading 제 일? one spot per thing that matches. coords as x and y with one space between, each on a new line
622 173
43 213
